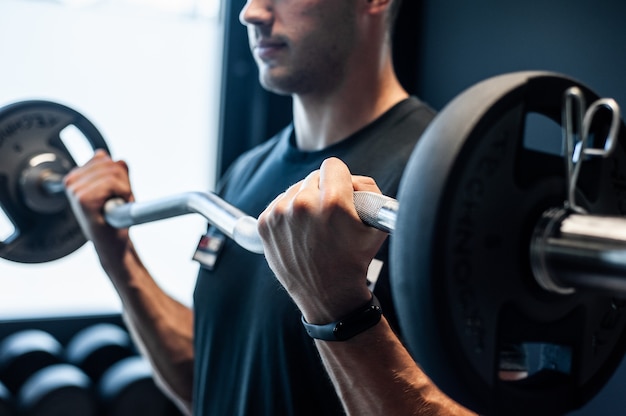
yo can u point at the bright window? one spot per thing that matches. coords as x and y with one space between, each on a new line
146 73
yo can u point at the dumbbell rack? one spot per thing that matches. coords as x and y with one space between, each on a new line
86 366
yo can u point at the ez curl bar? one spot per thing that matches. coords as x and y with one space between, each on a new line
517 248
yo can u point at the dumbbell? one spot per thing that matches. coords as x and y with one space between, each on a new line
127 388
6 401
122 380
57 390
33 369
97 347
23 353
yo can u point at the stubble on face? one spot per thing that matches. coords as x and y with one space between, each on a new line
313 38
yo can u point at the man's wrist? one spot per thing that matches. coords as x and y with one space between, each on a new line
357 321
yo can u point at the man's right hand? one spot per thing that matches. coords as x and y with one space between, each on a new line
316 244
88 188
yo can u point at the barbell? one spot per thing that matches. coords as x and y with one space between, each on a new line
509 281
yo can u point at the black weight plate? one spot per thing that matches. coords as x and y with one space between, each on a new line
28 129
469 199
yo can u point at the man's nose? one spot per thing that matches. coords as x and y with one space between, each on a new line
257 12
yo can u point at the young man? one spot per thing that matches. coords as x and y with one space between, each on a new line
242 349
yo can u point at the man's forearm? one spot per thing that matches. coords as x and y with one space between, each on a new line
161 326
375 375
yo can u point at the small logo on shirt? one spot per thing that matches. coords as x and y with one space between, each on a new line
209 248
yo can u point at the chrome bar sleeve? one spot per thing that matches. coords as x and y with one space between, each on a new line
571 251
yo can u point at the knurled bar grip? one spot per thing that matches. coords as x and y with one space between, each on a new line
376 210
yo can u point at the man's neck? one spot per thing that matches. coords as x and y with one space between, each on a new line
321 121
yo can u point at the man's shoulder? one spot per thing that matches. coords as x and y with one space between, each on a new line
403 124
417 110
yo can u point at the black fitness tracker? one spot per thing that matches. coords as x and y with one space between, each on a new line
352 324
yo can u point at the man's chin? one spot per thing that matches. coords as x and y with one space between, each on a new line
272 85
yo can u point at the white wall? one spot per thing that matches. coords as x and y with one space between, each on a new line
147 77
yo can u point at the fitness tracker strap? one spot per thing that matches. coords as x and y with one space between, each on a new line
350 325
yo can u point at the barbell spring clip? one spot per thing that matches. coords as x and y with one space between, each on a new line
577 122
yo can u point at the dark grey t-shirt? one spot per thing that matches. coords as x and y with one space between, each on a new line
253 356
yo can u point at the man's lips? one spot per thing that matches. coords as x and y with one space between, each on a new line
267 49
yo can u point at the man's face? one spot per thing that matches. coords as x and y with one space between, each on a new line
300 46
